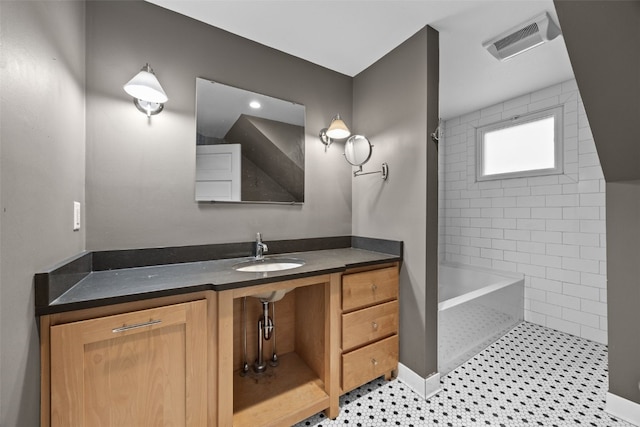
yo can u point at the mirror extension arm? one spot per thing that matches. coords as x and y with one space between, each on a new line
384 171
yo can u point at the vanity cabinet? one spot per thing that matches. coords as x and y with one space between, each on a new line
369 344
176 360
143 367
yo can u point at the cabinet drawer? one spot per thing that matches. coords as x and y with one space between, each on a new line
369 287
368 363
369 324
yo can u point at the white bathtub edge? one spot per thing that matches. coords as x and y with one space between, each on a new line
452 302
622 408
500 279
425 387
456 264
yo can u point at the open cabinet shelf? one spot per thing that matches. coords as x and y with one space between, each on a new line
280 396
306 380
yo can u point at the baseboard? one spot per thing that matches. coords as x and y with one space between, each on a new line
425 387
432 385
622 408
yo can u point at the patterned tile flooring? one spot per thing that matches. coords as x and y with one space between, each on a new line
532 376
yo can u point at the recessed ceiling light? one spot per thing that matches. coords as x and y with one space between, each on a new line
254 104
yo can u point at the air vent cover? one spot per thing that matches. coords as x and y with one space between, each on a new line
523 37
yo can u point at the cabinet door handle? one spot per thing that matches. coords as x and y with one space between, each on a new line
125 328
374 326
374 362
374 287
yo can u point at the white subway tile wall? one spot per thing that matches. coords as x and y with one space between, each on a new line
550 228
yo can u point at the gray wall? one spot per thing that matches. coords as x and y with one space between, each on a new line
610 89
140 173
609 85
623 255
396 105
42 134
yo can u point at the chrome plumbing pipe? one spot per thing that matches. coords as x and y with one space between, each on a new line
245 365
265 328
274 356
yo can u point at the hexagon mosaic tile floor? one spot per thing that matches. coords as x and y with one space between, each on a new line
532 376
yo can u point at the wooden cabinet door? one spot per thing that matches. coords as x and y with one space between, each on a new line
145 368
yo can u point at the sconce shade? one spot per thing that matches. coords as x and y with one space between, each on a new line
338 129
145 86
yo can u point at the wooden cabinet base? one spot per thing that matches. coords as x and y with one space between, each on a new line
370 325
174 360
306 381
279 396
143 368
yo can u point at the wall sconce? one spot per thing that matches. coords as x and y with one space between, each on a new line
148 95
337 130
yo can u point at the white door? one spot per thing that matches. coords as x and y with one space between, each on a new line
218 172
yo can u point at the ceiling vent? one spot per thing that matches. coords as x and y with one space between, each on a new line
529 34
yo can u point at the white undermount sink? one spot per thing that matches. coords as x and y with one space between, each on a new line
268 264
271 296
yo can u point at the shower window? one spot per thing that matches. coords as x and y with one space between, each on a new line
523 146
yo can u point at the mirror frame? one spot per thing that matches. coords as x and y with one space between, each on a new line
351 141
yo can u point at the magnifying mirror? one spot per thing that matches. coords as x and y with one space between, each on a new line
357 152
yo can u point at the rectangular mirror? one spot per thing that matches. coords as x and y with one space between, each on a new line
249 147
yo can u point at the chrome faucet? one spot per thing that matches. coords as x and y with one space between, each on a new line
260 247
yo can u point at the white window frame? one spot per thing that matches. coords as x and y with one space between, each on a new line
556 112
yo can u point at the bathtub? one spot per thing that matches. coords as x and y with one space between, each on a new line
476 306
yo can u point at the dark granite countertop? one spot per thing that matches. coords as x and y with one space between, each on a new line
98 288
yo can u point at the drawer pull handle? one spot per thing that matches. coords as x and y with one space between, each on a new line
374 362
374 326
135 326
374 287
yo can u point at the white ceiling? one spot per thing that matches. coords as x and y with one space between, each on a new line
349 35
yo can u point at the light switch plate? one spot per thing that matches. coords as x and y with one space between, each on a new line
76 216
